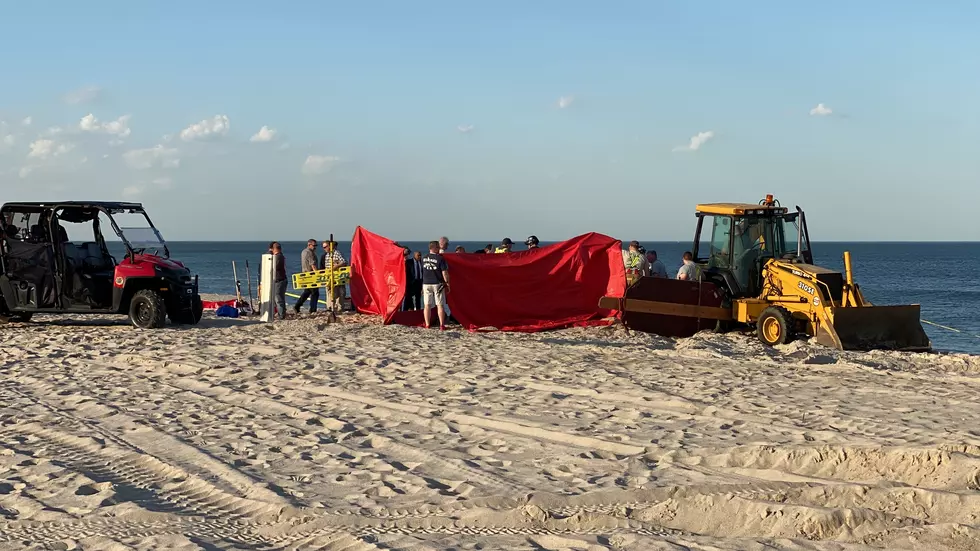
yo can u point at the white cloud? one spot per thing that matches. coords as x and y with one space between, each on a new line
9 140
208 128
157 156
118 127
25 171
87 94
63 148
319 164
27 121
696 141
131 191
41 149
465 128
54 131
167 137
164 182
284 146
565 101
265 134
821 110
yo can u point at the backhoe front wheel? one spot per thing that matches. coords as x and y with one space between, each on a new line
147 310
775 326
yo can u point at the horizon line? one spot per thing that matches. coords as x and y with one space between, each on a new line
896 242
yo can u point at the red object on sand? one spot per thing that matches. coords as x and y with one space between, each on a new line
377 279
547 288
214 305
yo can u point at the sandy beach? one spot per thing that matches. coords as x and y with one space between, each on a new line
351 436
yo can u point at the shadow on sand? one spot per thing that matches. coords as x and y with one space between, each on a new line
120 321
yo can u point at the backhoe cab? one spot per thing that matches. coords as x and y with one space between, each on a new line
755 268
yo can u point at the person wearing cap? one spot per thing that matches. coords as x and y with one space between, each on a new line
634 262
505 246
532 242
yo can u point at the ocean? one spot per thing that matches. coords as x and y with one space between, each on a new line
889 273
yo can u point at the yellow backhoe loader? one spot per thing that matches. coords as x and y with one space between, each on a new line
755 268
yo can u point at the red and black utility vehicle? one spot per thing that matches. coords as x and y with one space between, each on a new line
55 259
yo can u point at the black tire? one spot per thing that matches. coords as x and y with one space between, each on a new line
147 310
192 317
775 326
22 317
8 316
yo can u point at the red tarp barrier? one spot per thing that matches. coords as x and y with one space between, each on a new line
214 305
377 279
548 288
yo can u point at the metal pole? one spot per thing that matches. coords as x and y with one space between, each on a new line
238 284
251 299
333 314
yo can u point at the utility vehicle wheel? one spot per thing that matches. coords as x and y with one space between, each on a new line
775 326
147 310
23 317
189 318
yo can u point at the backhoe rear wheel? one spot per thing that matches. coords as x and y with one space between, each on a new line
775 326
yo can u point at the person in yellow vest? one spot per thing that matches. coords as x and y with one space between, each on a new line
635 262
505 246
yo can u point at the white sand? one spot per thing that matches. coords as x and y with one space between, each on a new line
238 435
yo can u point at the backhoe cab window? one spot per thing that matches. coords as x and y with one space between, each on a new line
791 230
721 231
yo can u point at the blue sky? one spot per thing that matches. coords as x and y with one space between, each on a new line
431 118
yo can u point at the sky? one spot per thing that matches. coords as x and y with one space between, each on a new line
255 121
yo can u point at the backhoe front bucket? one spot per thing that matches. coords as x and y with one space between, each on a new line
874 328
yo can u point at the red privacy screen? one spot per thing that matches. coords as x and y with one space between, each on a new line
547 288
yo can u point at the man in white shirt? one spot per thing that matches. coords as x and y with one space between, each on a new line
689 270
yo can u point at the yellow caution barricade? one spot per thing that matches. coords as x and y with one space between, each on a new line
321 278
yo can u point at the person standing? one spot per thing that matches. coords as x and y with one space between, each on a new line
279 279
505 246
413 279
443 244
634 262
688 270
657 268
336 260
308 264
532 242
435 285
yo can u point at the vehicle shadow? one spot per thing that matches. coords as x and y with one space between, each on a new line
205 323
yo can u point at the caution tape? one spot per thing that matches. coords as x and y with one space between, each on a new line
323 302
321 278
946 327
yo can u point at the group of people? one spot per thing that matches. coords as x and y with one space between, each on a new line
427 276
640 262
309 261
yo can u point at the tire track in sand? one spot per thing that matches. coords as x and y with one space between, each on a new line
151 442
332 419
164 486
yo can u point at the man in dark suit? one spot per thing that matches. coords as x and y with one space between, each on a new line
413 281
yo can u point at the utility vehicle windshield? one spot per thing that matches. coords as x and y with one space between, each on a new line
135 230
